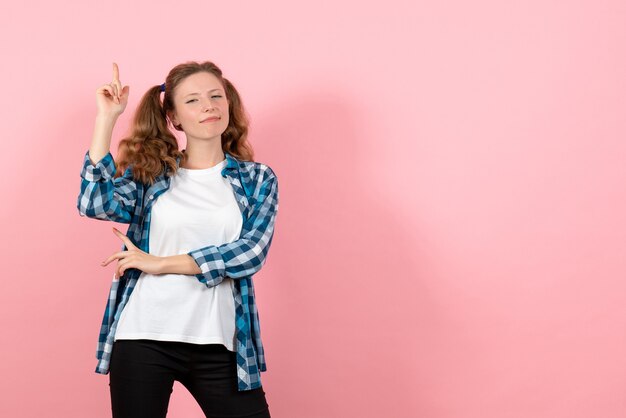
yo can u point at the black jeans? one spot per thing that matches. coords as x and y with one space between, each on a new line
142 375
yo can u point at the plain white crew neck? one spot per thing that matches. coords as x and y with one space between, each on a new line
195 172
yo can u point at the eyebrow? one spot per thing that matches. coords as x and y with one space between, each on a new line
191 94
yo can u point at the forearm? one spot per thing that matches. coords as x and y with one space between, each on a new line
246 255
179 264
101 141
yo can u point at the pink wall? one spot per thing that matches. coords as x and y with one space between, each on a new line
451 241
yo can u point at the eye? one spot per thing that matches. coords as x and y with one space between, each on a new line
191 100
216 96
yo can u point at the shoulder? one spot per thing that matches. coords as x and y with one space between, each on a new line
258 169
258 178
256 172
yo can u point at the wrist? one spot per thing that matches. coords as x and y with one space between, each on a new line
107 117
162 265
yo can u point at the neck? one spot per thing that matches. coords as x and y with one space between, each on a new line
203 155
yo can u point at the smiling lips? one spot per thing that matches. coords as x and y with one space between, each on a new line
211 119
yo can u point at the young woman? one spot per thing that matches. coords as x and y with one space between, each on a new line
201 221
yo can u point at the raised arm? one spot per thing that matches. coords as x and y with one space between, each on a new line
111 101
100 196
246 255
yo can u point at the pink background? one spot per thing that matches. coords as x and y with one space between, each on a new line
451 237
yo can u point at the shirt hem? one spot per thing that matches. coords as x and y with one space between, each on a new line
179 338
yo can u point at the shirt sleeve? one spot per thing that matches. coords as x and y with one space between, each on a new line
245 256
101 196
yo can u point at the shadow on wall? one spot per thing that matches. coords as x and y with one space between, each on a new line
352 305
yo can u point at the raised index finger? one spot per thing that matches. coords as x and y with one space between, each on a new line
116 73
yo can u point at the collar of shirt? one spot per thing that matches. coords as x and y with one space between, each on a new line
232 163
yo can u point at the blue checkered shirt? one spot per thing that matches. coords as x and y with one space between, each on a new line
125 200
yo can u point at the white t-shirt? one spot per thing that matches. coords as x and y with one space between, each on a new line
198 209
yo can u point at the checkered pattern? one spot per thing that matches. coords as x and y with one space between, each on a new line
124 200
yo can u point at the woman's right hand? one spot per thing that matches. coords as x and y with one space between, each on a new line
112 98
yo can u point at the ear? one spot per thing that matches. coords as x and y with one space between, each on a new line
173 118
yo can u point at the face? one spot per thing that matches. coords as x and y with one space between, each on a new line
200 106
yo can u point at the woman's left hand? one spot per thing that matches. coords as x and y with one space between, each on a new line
133 257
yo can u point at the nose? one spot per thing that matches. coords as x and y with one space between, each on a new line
207 105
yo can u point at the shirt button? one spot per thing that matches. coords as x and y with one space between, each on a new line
151 197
